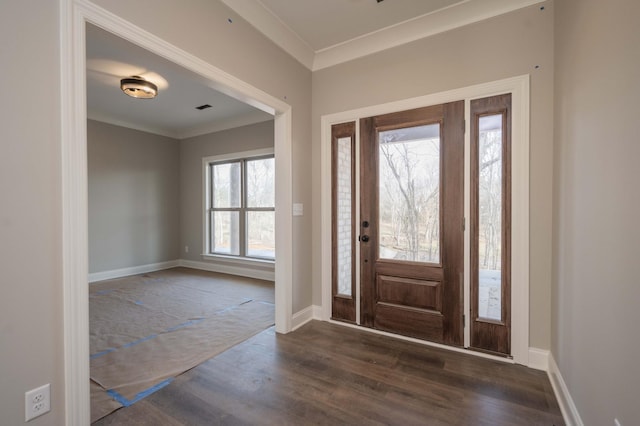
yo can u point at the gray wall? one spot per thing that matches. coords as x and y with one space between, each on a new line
145 192
30 215
501 47
192 151
596 280
134 210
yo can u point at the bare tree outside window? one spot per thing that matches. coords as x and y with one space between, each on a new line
242 208
409 194
490 217
490 199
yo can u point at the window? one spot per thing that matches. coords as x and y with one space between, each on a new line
240 206
491 224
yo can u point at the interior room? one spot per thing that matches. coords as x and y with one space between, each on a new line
145 173
559 293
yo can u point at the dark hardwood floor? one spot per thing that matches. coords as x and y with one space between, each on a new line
328 374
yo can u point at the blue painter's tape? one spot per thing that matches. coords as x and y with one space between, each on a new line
135 342
127 402
231 308
185 324
101 293
99 354
138 302
174 328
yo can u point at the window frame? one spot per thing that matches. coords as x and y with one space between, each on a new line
208 209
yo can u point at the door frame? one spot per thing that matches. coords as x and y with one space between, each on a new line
519 88
74 14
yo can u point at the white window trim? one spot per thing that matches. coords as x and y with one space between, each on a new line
206 178
519 88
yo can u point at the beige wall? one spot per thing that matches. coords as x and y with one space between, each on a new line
596 280
595 289
505 46
201 27
31 318
192 151
145 191
30 212
133 197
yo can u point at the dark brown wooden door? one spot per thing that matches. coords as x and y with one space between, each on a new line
411 222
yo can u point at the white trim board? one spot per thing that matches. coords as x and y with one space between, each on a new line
133 270
305 315
242 271
565 401
539 359
74 14
519 88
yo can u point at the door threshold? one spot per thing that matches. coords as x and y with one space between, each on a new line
461 350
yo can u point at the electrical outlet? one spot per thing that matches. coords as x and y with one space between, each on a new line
37 402
186 249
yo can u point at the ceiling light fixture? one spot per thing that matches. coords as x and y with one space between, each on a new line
138 87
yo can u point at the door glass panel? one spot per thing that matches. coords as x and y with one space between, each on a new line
226 185
490 217
409 194
225 232
260 234
344 214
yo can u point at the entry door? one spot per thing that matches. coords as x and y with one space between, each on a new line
411 223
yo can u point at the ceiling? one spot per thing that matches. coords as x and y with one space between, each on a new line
173 112
323 33
318 33
326 23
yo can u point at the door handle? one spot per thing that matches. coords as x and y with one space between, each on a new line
364 238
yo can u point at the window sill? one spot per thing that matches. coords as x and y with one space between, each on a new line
244 261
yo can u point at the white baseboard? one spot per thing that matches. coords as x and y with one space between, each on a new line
539 359
229 269
133 270
567 406
302 317
205 266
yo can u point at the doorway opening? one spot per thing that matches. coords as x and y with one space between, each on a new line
74 16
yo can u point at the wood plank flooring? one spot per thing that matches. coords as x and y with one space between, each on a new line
326 374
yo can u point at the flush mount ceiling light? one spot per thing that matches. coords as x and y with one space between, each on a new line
138 87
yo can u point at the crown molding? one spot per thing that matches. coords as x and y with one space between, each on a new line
442 20
448 18
256 14
198 130
220 125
